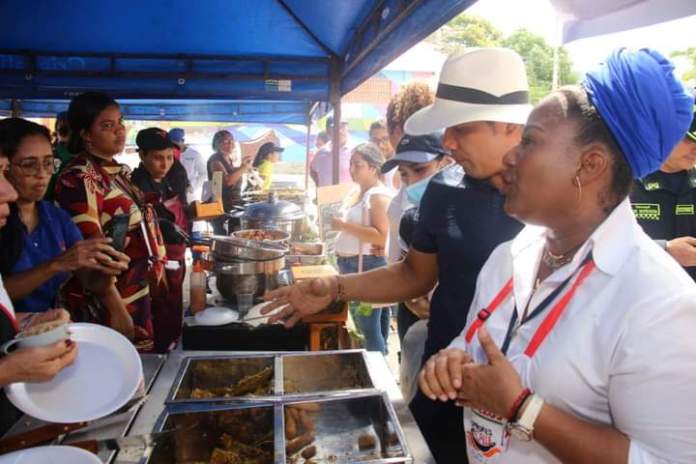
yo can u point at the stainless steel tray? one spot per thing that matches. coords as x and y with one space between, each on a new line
224 376
202 431
338 424
295 376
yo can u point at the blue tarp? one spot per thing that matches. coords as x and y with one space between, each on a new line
252 51
276 112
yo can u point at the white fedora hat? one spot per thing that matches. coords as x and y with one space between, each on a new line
479 84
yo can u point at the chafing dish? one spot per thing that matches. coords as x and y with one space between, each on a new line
220 435
224 378
294 375
244 267
360 428
274 214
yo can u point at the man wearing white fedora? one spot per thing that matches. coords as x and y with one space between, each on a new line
482 103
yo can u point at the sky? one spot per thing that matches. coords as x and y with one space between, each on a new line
539 17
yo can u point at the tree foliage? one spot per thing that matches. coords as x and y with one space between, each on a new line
689 55
468 30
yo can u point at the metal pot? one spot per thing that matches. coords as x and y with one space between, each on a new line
274 214
235 249
245 266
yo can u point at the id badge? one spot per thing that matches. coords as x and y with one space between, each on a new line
486 436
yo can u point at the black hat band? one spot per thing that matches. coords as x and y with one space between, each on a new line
479 97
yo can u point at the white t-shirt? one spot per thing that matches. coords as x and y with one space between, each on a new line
623 353
395 246
348 244
5 298
196 171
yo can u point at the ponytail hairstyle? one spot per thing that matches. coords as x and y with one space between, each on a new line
372 155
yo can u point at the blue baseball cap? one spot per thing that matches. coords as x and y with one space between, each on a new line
177 134
416 149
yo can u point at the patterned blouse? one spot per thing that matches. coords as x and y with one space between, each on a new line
93 190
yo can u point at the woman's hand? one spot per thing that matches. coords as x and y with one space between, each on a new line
301 299
441 377
337 223
95 254
493 387
39 364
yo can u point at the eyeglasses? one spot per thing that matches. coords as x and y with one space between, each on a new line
33 167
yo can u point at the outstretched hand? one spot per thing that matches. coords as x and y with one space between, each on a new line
301 299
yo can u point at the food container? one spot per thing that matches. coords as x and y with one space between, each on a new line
274 214
224 378
243 433
274 236
246 267
360 428
294 375
306 254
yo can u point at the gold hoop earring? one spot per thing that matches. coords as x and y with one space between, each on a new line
577 182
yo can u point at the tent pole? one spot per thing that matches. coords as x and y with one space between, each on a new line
335 96
309 134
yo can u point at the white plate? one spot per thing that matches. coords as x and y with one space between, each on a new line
255 315
216 315
52 454
105 375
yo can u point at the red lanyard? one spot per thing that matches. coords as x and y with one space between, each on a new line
549 321
11 317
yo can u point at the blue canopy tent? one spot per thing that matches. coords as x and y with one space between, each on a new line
252 60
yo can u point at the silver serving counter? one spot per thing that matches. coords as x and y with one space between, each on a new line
377 366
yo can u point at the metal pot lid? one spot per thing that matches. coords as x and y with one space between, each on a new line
273 209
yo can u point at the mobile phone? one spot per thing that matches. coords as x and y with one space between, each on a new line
117 229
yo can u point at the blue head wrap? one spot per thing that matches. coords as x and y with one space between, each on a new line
645 107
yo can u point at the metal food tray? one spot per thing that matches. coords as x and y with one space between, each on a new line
295 376
227 371
200 433
307 259
338 426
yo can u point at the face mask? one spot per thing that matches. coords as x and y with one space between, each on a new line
415 191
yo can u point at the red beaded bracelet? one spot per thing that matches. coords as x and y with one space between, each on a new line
515 408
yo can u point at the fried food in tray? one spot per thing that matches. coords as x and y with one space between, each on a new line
300 430
225 378
243 436
324 372
345 430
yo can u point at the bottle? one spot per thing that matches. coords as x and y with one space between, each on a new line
198 294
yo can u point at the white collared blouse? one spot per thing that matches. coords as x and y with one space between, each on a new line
624 351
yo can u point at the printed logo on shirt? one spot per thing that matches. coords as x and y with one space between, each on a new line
684 210
650 186
647 211
482 435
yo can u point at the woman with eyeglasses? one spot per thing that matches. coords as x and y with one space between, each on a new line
41 244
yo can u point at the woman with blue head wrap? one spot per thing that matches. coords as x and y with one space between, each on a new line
583 351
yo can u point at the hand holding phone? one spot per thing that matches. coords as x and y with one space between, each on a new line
117 229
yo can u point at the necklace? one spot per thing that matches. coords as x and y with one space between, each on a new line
556 261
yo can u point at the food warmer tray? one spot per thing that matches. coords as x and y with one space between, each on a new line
241 378
362 428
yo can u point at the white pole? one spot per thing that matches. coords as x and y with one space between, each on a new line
555 77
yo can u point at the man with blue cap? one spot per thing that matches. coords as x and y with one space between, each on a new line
193 163
664 202
579 344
